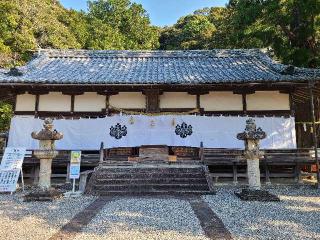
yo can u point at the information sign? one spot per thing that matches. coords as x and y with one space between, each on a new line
75 164
10 168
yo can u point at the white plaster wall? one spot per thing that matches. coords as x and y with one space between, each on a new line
128 100
89 102
25 102
55 102
177 100
268 100
221 101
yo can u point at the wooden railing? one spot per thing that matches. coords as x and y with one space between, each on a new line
60 164
289 158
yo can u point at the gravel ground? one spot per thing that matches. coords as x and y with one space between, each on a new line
36 220
134 218
297 216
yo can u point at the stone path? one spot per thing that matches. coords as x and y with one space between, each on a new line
79 221
210 222
159 217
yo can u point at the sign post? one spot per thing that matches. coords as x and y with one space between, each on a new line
75 164
11 168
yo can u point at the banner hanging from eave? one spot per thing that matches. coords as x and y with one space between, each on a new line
134 131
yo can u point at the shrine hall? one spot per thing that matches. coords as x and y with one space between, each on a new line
120 107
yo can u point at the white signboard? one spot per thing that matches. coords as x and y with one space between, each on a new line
12 158
75 164
10 168
8 180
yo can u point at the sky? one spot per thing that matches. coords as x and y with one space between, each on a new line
161 12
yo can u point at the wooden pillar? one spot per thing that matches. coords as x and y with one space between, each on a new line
314 132
72 103
198 101
244 103
235 173
36 110
68 174
72 98
101 153
152 100
38 93
107 94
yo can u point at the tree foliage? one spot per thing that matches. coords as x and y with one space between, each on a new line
5 116
190 32
30 24
127 25
27 25
290 27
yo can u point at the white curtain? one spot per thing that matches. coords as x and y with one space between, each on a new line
214 132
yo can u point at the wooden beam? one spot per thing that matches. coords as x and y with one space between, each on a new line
72 93
243 91
107 93
39 92
197 92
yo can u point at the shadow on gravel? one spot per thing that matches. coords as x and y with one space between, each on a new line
297 216
146 217
49 214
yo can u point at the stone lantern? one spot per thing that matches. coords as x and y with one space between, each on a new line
251 137
47 137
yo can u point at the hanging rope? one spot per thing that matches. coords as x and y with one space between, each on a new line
307 123
196 110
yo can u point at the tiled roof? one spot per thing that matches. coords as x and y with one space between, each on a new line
154 67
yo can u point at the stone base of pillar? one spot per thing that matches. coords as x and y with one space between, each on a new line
45 174
257 195
253 172
43 195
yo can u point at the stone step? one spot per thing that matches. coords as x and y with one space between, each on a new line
148 179
151 180
151 187
151 193
149 170
178 162
148 175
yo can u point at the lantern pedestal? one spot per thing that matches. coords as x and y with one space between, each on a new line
256 195
251 137
45 195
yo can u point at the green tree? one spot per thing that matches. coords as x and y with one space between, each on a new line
290 27
124 18
190 32
103 36
27 25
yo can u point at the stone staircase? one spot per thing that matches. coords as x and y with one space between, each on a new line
148 178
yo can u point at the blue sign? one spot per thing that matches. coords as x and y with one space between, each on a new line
75 164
